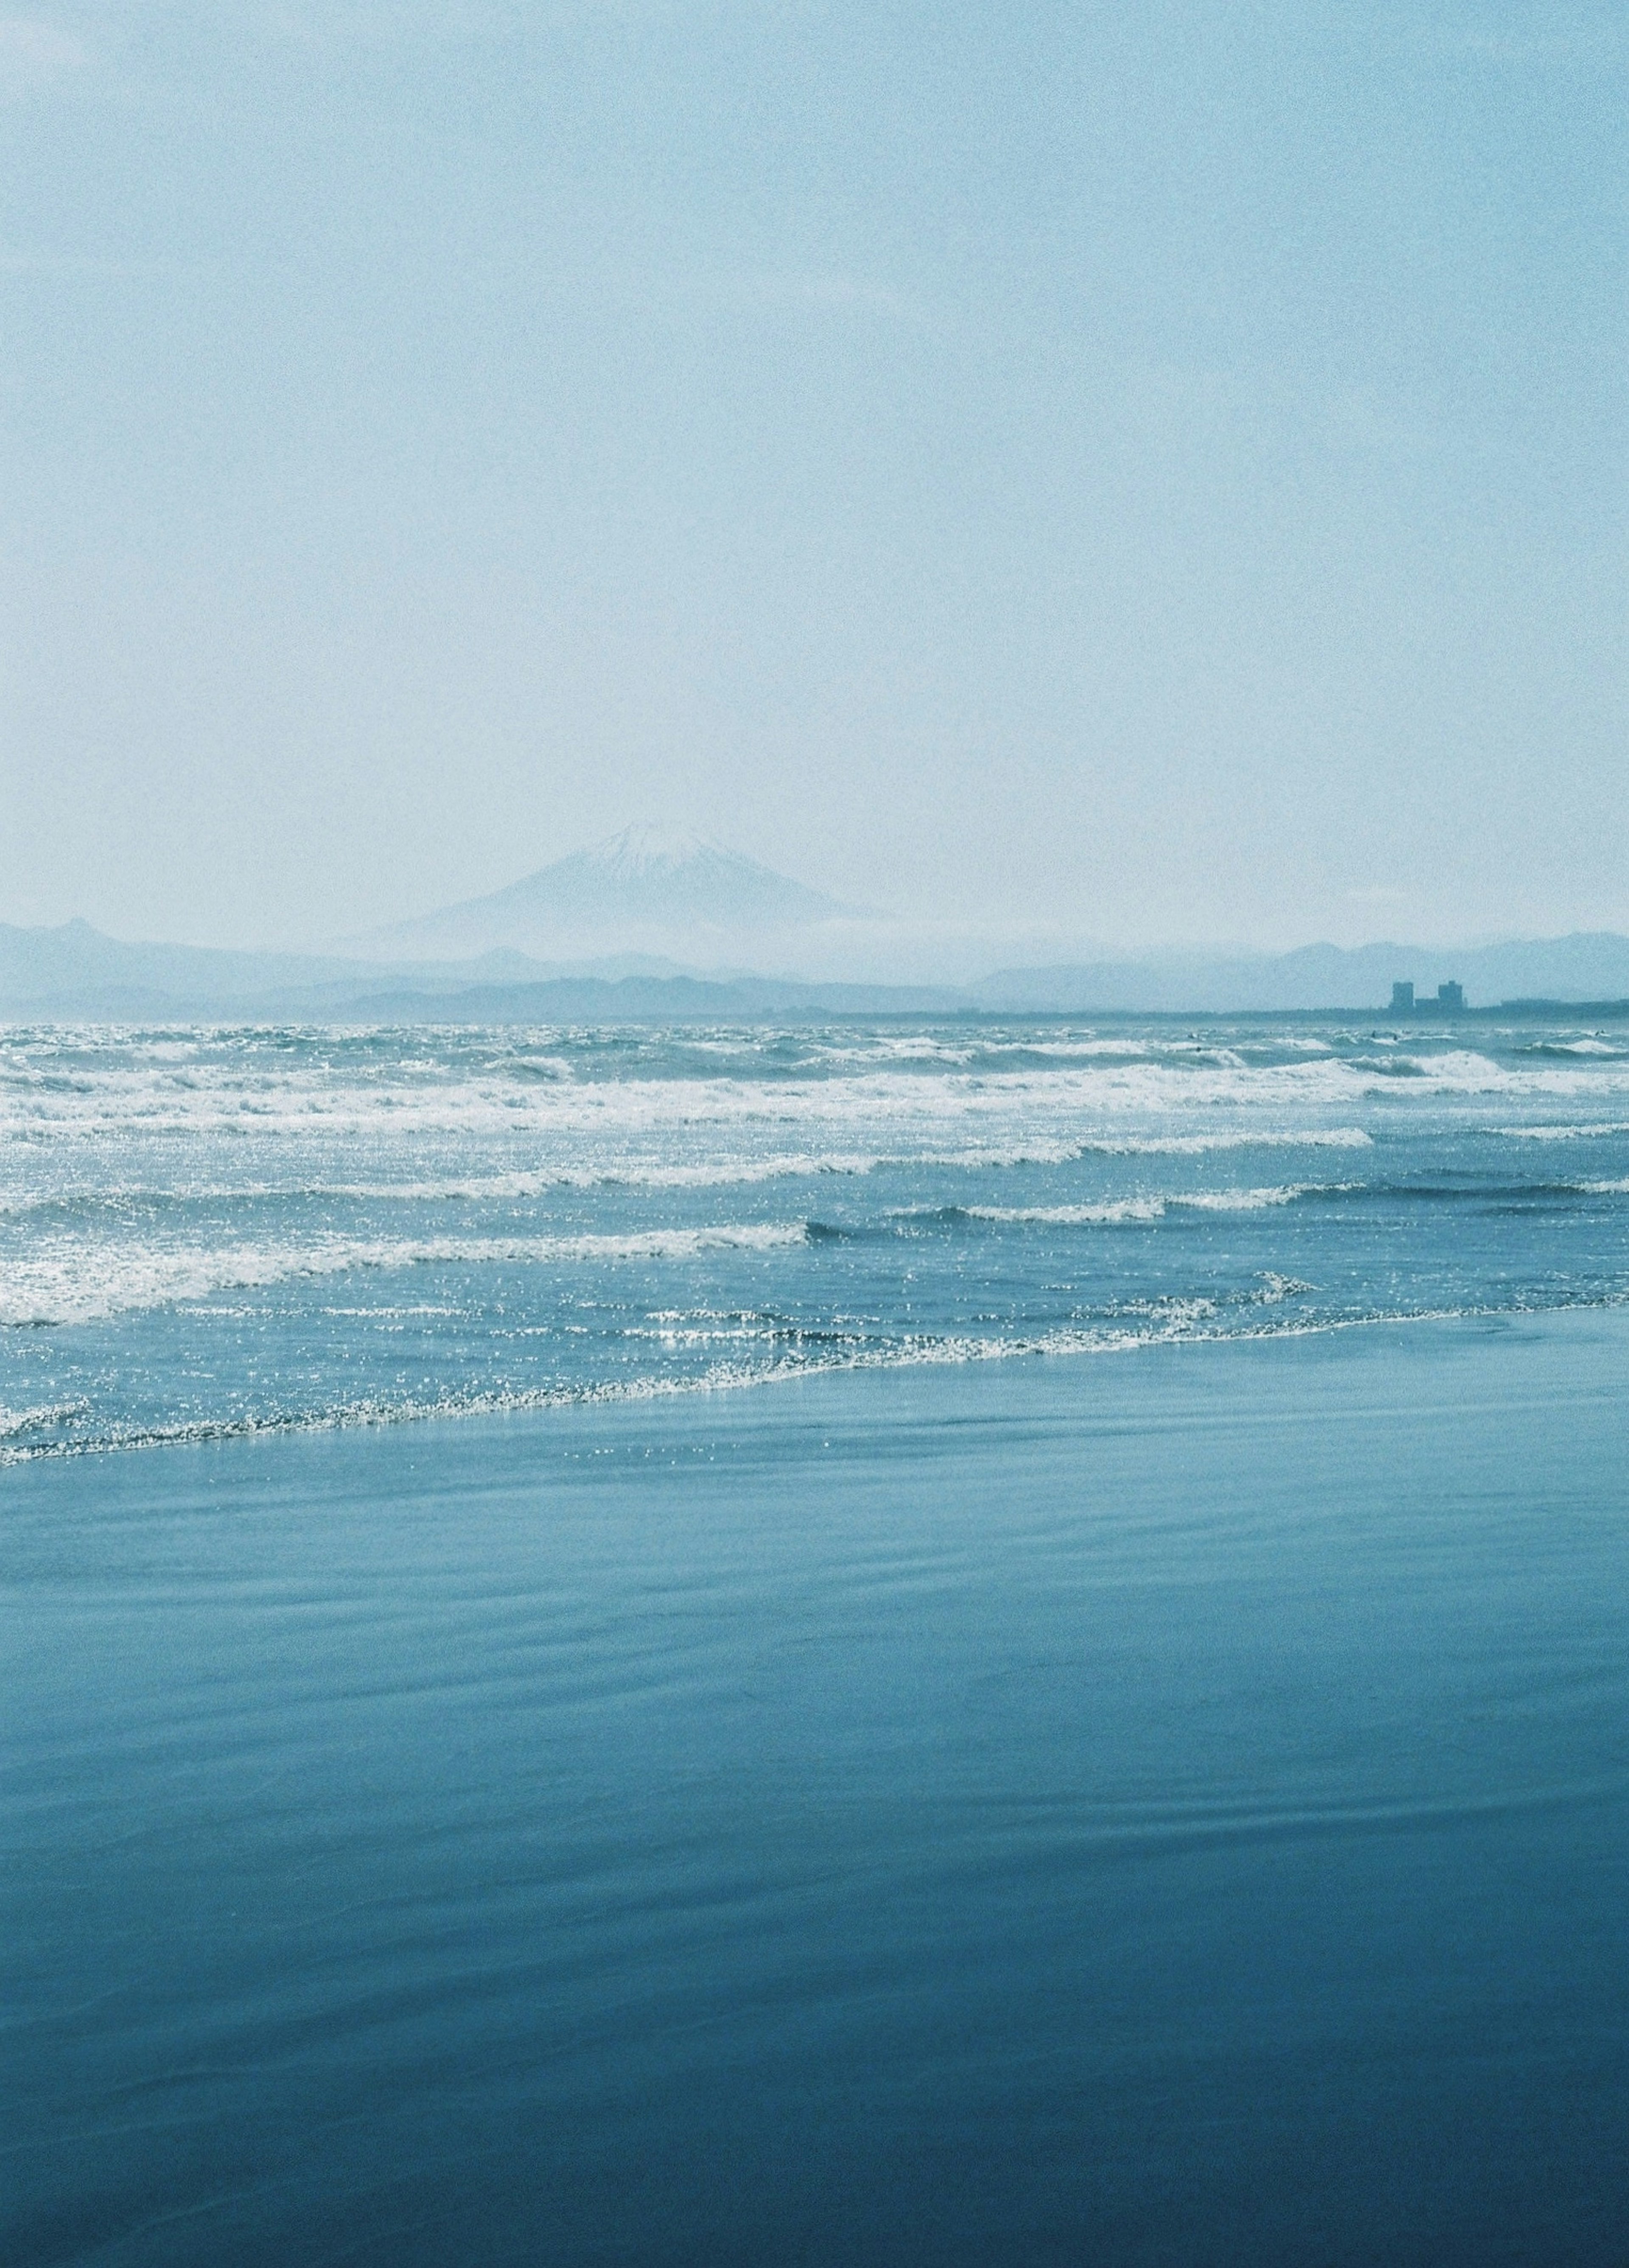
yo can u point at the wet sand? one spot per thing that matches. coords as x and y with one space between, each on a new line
1170 1806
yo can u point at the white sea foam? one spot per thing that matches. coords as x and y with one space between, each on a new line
1248 1138
724 1171
1276 1288
1151 1208
84 1284
44 1418
144 1172
518 1185
1167 1323
1118 1097
1561 1133
1072 1216
1177 1320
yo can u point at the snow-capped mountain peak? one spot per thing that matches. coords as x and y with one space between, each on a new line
648 888
645 850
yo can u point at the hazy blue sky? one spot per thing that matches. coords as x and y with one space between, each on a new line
1158 467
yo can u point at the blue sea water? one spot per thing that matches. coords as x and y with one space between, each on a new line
1167 1807
204 1231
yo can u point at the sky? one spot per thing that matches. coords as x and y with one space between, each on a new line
1157 470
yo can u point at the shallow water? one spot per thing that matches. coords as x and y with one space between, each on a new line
204 1231
946 1808
1165 1810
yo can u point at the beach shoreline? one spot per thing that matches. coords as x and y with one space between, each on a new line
1169 1807
505 1410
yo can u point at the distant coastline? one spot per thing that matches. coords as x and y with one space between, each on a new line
73 972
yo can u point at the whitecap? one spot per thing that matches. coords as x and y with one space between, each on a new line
1560 1133
83 1284
1146 1208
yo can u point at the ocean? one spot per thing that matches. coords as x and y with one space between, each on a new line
972 1642
204 1232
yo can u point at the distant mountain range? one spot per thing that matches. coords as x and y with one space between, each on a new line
75 971
655 926
1587 966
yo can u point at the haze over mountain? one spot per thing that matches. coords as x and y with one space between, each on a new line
1592 966
667 925
74 971
668 894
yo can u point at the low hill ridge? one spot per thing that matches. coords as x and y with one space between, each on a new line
72 971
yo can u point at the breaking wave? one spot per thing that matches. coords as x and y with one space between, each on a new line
246 1230
84 1287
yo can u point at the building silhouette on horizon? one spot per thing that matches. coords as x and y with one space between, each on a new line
1449 997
